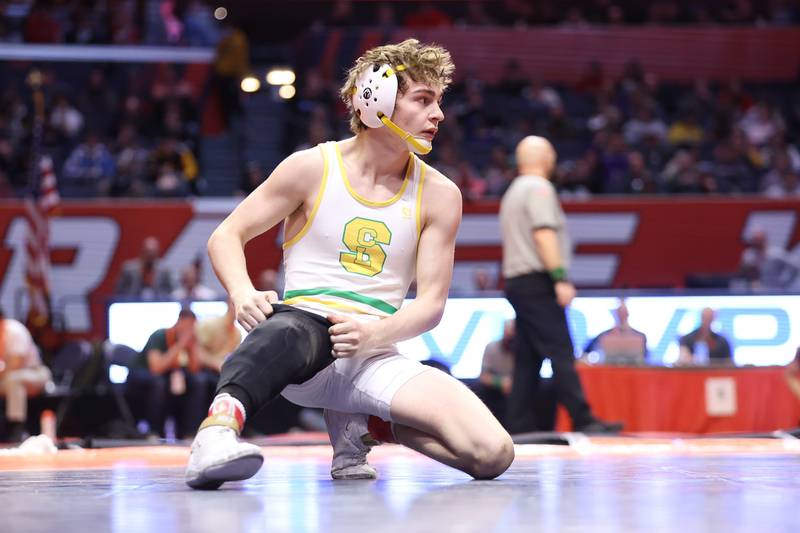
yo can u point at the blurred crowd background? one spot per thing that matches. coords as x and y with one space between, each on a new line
133 130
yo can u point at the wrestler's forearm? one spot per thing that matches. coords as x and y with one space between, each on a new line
421 315
226 252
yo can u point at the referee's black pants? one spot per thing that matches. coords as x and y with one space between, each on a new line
541 332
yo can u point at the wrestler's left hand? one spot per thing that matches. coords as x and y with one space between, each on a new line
350 337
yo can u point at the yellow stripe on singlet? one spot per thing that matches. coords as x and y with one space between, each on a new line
327 303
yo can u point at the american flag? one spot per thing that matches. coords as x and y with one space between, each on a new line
37 245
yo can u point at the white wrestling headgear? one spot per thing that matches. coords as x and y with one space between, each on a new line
374 99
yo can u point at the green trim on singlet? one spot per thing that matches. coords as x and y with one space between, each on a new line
347 295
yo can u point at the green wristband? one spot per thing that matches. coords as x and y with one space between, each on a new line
558 274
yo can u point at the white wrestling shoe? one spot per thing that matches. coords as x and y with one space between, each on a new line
217 456
351 443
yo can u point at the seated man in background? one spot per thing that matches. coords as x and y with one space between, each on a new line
22 374
704 346
166 373
497 372
144 277
621 344
191 289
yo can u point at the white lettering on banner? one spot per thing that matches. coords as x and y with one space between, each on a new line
190 244
583 228
599 228
778 226
94 239
13 297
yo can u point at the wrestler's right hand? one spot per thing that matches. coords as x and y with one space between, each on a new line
253 307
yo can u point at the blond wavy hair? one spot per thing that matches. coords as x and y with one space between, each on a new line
429 64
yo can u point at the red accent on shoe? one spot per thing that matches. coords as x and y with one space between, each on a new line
380 429
227 406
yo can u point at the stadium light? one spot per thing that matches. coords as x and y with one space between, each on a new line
287 92
250 84
280 76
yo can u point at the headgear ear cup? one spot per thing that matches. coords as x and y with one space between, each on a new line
373 100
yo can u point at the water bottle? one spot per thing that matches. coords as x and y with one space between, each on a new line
701 354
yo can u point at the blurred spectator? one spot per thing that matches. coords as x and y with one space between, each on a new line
89 170
645 124
124 29
761 123
200 28
686 131
190 287
173 102
166 375
217 337
704 346
89 24
231 64
606 115
766 266
620 344
173 169
172 27
131 160
499 173
144 277
65 119
542 97
615 165
640 179
789 187
732 169
497 372
680 173
22 374
460 171
133 111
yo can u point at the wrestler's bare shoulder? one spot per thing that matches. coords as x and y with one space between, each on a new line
440 187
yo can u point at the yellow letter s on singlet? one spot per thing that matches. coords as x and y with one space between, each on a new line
363 237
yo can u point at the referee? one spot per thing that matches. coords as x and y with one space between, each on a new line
536 257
